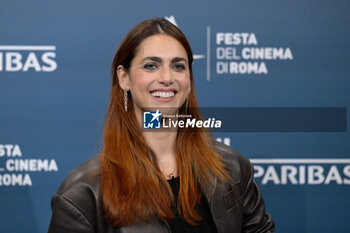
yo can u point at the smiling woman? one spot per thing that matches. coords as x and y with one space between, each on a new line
164 181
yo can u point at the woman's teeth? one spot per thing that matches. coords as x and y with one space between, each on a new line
160 94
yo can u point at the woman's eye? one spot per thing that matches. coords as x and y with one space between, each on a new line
150 66
179 67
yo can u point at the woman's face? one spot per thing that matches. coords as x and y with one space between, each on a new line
159 75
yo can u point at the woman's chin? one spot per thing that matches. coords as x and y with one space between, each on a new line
168 110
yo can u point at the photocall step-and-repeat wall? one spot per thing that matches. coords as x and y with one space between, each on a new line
280 68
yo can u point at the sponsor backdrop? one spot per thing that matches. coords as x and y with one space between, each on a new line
282 68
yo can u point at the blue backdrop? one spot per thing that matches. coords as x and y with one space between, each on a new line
55 59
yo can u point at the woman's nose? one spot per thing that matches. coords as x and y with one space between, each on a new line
166 77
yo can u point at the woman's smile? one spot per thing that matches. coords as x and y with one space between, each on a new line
163 95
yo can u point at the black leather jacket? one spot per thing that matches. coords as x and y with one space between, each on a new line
239 207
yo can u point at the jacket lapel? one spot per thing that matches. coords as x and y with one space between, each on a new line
209 191
224 201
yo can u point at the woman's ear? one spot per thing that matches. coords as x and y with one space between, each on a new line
123 77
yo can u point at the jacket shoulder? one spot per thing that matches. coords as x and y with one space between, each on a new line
237 165
77 200
81 189
86 175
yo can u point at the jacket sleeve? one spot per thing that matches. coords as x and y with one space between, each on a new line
66 217
255 219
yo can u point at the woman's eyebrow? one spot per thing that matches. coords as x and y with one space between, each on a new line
158 59
177 59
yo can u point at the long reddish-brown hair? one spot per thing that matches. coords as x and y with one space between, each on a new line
133 188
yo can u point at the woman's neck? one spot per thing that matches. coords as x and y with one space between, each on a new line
163 145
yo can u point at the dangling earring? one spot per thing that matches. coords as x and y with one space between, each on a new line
125 100
187 103
187 100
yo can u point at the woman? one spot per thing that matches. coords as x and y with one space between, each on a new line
158 181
